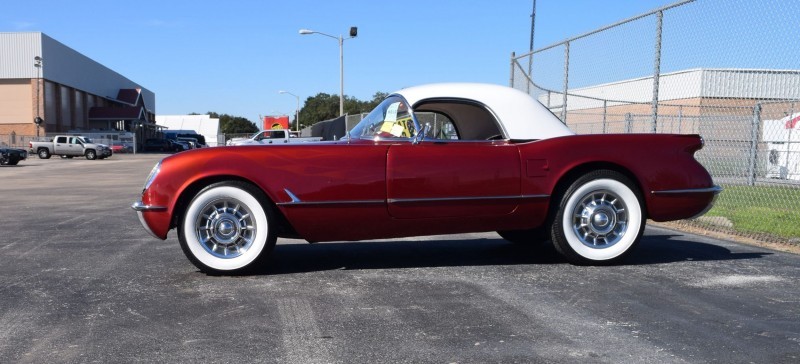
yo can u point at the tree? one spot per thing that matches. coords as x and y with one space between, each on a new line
229 124
326 106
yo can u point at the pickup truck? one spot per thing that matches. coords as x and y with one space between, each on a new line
12 156
70 146
273 136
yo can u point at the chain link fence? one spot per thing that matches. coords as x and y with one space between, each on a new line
728 70
16 141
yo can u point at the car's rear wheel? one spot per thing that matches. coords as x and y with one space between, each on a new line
227 228
43 153
600 220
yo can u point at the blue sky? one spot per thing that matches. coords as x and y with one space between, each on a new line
233 56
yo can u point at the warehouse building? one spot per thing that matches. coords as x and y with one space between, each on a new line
43 80
723 98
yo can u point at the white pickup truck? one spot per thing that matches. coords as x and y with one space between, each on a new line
70 146
273 136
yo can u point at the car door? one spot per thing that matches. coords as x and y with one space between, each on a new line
75 147
67 145
440 179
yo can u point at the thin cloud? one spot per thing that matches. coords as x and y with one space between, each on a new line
23 25
158 23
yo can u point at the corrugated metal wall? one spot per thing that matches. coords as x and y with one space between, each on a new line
63 65
16 54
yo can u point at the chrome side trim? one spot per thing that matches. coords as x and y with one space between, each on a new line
139 206
295 201
455 199
322 203
715 189
294 198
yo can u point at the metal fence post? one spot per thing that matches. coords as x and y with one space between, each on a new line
657 69
628 123
566 83
605 110
511 79
751 169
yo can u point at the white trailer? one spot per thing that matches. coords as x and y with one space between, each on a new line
783 147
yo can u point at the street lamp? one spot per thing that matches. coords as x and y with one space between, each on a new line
353 34
297 110
37 62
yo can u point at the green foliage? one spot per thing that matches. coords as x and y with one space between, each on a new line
326 106
229 124
760 209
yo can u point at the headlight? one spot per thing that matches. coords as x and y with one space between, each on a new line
152 176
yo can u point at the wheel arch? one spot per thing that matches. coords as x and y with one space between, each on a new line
572 175
191 190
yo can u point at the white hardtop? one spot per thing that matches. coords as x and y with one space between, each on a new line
521 116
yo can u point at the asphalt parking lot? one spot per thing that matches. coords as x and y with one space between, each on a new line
81 281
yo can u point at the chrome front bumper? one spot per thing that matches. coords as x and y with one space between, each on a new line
140 208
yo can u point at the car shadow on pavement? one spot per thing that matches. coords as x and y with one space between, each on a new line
659 249
295 258
298 258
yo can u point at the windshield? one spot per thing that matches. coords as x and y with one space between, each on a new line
392 118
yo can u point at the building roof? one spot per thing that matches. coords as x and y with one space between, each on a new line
129 95
64 65
733 83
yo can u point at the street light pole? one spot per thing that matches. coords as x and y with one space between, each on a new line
341 75
340 39
37 62
296 111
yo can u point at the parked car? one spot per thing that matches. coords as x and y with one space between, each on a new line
490 158
12 156
197 140
70 146
163 145
273 136
179 145
119 147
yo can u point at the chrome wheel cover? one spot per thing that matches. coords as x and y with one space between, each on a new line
225 228
600 219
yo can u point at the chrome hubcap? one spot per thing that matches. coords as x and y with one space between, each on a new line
600 219
225 228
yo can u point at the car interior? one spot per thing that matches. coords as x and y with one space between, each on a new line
458 120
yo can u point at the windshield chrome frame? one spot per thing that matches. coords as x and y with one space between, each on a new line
414 121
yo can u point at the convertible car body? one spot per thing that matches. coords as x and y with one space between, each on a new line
434 159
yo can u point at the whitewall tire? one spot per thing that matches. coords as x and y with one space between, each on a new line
227 228
600 220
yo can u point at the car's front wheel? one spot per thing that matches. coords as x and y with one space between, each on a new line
91 154
227 228
600 219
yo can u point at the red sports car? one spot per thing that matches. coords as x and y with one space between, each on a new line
434 159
